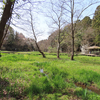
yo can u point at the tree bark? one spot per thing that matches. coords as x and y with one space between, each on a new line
72 55
58 46
58 49
5 17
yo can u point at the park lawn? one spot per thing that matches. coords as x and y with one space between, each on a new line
20 76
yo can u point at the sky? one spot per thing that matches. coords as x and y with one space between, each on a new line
42 21
41 27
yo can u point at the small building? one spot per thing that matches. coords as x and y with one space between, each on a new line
93 50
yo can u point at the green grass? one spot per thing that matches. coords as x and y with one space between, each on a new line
20 76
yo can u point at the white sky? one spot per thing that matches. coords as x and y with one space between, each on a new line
42 21
42 28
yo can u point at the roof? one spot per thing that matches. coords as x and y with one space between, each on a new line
93 47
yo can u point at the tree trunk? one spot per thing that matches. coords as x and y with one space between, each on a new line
72 28
58 49
72 55
5 17
40 50
58 46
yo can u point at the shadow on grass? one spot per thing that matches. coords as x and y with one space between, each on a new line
3 84
9 92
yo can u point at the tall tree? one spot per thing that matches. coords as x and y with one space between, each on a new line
57 16
34 34
70 7
5 18
30 22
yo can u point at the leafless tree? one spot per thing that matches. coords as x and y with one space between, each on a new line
57 16
34 34
29 22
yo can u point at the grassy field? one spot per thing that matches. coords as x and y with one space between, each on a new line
21 78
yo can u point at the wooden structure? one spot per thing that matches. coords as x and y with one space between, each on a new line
93 51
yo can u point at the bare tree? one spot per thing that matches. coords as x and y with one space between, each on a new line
29 22
57 16
34 34
6 17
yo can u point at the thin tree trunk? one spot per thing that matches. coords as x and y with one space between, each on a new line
5 17
40 50
72 55
72 28
58 46
58 49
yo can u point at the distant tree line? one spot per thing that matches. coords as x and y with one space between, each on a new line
15 41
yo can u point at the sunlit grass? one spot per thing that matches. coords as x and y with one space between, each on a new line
22 71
